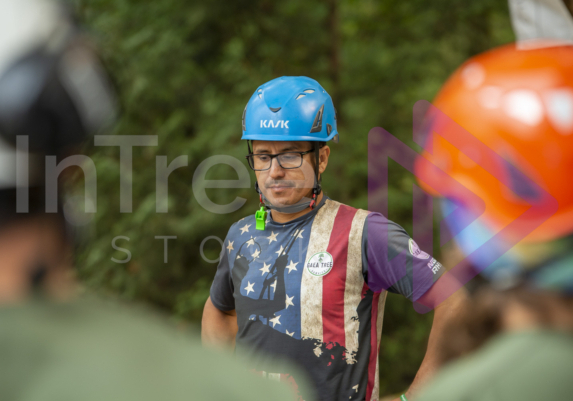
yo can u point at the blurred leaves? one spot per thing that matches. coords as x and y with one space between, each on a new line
186 69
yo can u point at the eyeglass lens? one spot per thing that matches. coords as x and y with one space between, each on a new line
286 160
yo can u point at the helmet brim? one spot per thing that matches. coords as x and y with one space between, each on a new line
284 138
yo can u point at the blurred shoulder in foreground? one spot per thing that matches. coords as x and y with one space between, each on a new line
527 365
89 349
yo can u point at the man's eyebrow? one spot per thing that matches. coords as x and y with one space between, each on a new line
289 148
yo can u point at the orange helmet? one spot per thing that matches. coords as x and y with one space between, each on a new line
519 104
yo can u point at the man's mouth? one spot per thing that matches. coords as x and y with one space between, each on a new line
282 185
280 189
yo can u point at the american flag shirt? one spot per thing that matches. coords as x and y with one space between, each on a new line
312 291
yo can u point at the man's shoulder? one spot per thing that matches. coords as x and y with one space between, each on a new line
338 208
331 203
371 216
246 224
334 216
376 221
374 226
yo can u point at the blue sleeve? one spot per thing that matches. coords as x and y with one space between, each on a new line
222 288
392 261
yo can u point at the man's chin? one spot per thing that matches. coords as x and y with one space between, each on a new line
283 201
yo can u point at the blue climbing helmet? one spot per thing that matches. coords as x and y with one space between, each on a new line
290 109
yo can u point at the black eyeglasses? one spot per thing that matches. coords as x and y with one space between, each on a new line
287 160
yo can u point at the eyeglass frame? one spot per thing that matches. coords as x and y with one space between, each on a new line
272 156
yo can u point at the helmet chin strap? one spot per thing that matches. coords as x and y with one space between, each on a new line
301 205
305 202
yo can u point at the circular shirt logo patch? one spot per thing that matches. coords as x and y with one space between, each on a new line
319 264
416 251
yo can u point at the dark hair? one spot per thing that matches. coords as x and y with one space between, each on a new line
320 146
483 318
36 208
481 321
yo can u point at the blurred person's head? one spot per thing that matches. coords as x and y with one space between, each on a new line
291 118
494 310
502 127
53 95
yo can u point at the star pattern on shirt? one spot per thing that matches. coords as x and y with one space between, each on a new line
241 220
288 301
250 242
355 388
245 228
291 266
272 237
317 351
280 251
265 268
274 285
299 234
275 320
249 287
230 247
256 254
289 334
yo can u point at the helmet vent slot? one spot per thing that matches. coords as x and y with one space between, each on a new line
317 124
244 114
300 96
309 91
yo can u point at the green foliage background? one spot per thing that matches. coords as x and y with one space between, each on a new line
185 70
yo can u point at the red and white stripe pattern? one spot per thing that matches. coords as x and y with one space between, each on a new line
373 389
329 302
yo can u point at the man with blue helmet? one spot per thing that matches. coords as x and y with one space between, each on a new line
306 277
290 109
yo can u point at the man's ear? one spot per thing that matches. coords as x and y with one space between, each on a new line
323 158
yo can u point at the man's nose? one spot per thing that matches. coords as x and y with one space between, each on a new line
276 171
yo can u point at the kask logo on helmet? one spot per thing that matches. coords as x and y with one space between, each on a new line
273 124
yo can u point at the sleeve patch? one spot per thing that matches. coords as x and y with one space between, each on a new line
416 251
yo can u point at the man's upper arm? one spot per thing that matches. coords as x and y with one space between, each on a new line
222 288
393 261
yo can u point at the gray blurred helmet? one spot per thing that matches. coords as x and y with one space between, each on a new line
53 89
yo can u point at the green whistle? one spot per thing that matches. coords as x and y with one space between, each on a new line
261 218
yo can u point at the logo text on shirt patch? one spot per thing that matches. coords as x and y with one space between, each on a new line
319 264
434 265
416 251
